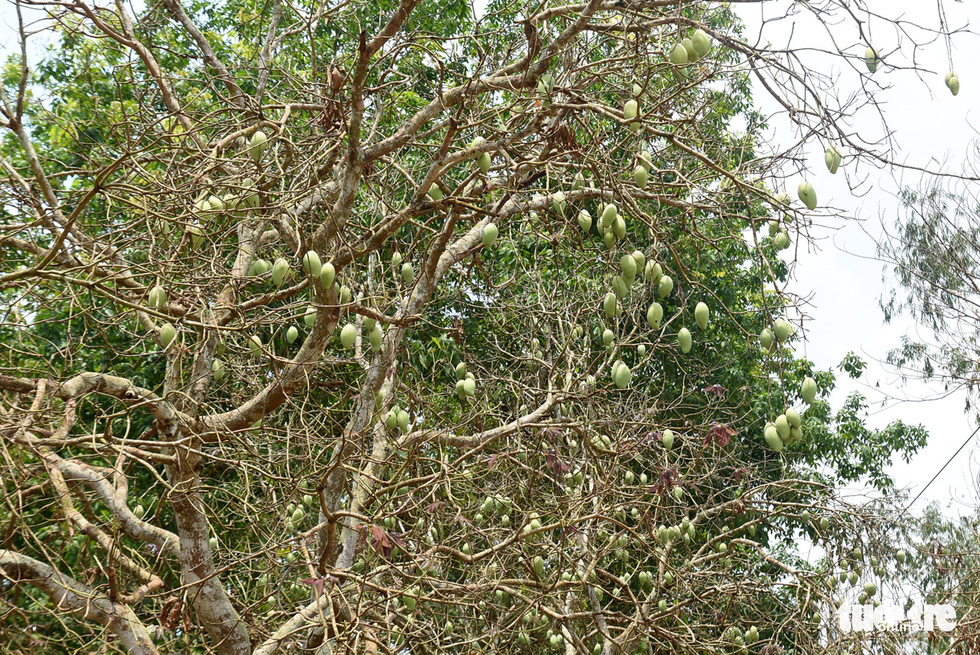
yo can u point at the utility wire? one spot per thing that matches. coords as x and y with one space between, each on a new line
943 468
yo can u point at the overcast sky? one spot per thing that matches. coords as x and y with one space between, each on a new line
843 280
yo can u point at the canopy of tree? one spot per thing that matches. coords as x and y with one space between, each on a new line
395 327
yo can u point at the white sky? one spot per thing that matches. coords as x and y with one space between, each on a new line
843 279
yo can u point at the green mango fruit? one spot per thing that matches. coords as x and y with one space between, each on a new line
218 369
807 195
311 263
665 286
702 42
609 240
348 335
435 193
824 523
782 427
678 55
692 54
701 315
396 259
609 214
954 85
619 287
628 265
469 387
344 295
766 338
328 274
640 260
772 438
461 371
782 329
585 220
292 334
489 234
309 318
782 240
408 273
607 337
871 59
609 305
808 390
158 297
684 339
255 345
619 227
668 439
900 557
484 162
793 418
641 350
655 315
538 566
631 109
578 182
167 334
279 271
622 376
403 420
257 145
832 158
375 336
196 236
558 202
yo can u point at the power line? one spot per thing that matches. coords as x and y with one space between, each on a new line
943 468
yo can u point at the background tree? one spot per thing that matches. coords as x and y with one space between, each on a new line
378 327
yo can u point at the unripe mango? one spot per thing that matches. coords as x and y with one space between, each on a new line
609 305
793 418
622 376
702 42
607 337
668 439
347 336
640 176
435 193
558 202
832 158
609 214
584 220
218 369
701 315
692 54
257 145
619 287
158 297
782 426
954 85
655 315
871 59
328 274
767 338
808 390
684 339
408 273
255 345
772 438
376 336
619 227
807 195
678 55
484 162
292 334
279 271
665 286
311 263
489 234
167 334
782 329
310 317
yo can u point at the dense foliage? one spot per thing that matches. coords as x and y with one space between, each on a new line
378 327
